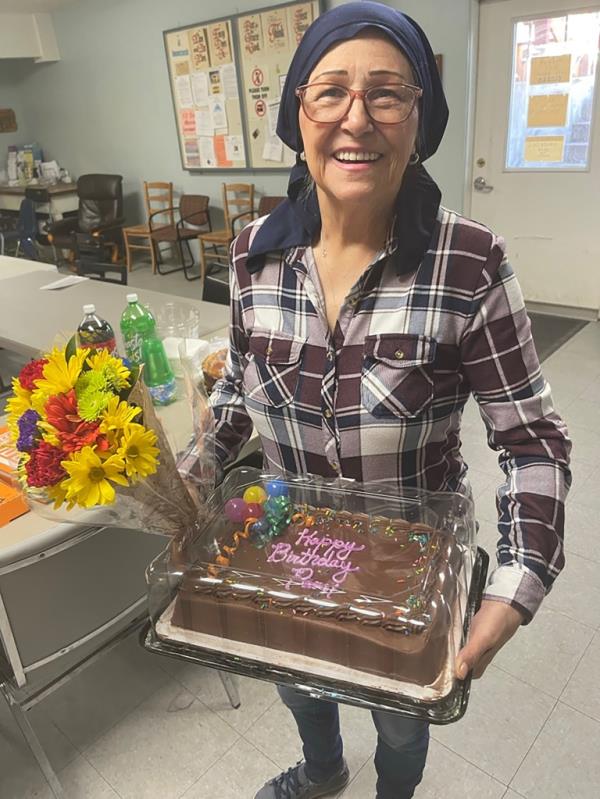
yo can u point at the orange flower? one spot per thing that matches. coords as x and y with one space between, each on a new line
73 432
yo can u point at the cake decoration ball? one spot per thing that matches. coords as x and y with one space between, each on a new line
255 509
255 494
277 488
236 510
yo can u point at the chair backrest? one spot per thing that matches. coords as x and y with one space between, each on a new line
158 195
100 200
193 210
267 204
238 198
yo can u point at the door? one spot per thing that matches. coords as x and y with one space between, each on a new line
536 157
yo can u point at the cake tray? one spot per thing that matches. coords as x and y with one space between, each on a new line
446 710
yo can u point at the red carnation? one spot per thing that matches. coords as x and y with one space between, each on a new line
43 467
31 372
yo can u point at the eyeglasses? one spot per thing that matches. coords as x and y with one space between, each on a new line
387 104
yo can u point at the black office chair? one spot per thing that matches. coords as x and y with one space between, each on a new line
94 260
100 215
216 285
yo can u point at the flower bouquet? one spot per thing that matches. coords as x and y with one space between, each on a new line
93 449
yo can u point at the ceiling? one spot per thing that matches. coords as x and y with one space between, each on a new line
29 6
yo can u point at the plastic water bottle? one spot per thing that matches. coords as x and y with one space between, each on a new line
143 346
157 374
95 333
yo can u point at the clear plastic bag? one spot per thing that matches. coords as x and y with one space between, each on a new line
361 593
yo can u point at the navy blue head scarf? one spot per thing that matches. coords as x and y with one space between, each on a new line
297 220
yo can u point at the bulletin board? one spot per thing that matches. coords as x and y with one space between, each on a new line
205 90
226 80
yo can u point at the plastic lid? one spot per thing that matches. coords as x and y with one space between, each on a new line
132 298
89 308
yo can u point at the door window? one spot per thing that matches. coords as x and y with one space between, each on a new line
552 93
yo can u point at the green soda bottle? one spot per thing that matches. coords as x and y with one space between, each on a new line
143 346
137 324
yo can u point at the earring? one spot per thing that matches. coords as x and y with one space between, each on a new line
414 159
302 156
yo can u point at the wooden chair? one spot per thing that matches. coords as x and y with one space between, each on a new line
266 204
194 219
238 203
158 199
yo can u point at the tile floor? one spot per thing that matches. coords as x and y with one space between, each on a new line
138 726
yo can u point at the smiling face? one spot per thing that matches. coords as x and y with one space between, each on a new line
356 159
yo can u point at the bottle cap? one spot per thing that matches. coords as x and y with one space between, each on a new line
132 298
89 308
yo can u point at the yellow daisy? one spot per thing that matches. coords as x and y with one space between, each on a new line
60 375
138 451
89 478
118 414
17 405
112 369
59 495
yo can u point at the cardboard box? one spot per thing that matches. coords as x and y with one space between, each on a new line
12 504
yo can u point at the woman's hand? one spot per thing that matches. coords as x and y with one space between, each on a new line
493 625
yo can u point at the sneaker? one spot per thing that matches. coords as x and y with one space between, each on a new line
294 784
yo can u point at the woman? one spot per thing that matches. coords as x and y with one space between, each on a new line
364 314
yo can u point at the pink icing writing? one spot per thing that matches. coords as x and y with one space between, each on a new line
316 552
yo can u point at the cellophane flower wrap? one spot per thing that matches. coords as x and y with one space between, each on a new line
94 450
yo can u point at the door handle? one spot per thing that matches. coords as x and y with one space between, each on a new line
479 184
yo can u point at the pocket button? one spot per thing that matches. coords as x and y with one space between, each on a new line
398 355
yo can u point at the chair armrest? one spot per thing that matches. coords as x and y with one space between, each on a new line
114 225
234 219
171 209
62 226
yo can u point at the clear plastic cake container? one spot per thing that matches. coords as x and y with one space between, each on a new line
361 593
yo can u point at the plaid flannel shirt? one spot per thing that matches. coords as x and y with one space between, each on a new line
382 396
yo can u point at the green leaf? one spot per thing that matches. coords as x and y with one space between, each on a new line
71 347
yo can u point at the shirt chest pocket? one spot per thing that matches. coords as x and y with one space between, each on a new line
271 374
397 374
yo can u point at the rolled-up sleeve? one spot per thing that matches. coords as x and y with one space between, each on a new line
501 365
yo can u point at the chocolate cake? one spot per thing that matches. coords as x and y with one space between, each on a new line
367 593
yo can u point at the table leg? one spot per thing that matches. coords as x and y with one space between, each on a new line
20 716
230 689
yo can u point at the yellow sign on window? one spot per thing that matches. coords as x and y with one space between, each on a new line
544 148
550 69
547 110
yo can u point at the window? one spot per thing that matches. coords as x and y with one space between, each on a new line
552 95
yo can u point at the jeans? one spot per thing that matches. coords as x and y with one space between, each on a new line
401 752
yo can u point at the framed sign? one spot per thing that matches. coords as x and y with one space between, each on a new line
8 120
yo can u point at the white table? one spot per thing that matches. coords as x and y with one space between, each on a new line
13 267
63 199
30 318
67 589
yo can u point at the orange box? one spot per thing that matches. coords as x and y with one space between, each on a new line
9 459
12 504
